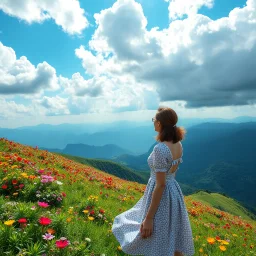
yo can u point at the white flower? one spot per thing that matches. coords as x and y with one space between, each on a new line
58 182
88 239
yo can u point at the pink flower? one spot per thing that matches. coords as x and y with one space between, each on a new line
44 221
43 204
48 236
62 243
46 178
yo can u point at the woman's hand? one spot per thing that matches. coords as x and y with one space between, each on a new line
146 228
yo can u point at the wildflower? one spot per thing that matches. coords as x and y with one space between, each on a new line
224 242
70 210
22 220
201 250
50 231
48 236
101 211
62 243
44 221
43 204
119 248
59 199
210 240
88 239
9 222
4 186
91 218
15 193
85 211
222 248
69 219
21 186
14 182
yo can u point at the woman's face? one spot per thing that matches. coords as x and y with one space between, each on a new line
156 124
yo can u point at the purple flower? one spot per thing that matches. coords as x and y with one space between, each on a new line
59 198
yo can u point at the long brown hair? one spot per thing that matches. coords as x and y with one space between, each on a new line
168 118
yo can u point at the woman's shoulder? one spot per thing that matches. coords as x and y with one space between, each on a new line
159 147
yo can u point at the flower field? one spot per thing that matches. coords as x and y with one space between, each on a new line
50 205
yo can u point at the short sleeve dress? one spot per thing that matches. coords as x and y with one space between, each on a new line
171 229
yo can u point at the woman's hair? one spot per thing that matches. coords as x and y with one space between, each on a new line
168 118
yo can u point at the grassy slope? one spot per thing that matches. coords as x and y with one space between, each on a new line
223 203
121 195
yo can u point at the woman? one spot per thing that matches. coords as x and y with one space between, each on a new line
158 224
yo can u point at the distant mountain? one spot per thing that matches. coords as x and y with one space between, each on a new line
136 137
105 152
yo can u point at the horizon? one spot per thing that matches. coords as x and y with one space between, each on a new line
120 60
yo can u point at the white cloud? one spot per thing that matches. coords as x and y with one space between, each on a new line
196 60
11 109
179 8
52 106
107 94
19 76
68 14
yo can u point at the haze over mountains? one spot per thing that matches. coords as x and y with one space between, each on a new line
136 137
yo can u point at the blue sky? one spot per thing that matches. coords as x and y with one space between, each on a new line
48 42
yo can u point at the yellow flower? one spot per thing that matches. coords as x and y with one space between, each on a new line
201 250
24 175
234 235
85 211
9 222
224 242
91 218
119 248
69 219
5 178
15 194
222 247
70 210
14 166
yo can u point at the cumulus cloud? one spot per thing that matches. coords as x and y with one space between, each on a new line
53 106
10 108
204 62
19 76
68 14
107 94
179 8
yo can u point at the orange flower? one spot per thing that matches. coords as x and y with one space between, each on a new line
223 248
51 231
210 240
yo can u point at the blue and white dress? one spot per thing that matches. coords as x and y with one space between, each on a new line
171 229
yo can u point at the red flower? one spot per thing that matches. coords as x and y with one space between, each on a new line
44 221
102 211
4 186
21 186
14 182
62 243
22 220
63 194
